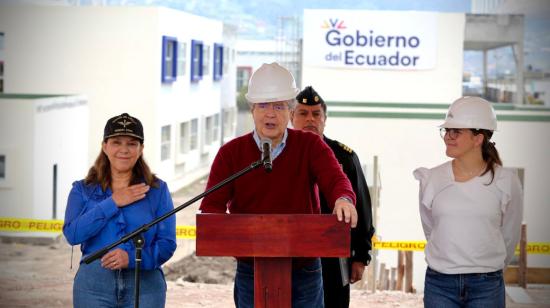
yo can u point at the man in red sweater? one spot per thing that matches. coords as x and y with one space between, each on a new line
302 162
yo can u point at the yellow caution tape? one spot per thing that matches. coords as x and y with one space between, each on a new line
56 226
532 248
190 232
186 232
536 248
30 225
400 245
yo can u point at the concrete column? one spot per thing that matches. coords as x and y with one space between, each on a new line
520 87
485 75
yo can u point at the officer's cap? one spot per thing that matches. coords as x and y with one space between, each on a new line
309 96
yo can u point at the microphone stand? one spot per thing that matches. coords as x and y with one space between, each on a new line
137 237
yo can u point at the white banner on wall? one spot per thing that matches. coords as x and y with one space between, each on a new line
370 39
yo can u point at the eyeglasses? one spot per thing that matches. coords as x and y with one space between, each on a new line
277 107
453 133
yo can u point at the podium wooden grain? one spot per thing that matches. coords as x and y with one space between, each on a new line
272 240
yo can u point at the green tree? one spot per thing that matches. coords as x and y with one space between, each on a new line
242 103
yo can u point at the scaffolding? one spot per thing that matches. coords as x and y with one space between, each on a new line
488 32
289 45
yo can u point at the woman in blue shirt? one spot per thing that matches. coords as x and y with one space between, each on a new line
119 195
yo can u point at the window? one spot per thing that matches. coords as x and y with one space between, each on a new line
211 129
206 60
165 142
228 122
208 130
216 127
184 138
182 58
194 135
196 60
169 59
243 75
218 61
2 167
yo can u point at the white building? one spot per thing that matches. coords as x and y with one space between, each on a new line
43 150
251 54
390 108
166 67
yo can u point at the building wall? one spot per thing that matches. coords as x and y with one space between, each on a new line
36 134
251 54
184 100
404 135
60 127
113 56
16 125
254 53
229 83
407 138
106 54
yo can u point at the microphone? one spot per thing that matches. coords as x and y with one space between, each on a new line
266 154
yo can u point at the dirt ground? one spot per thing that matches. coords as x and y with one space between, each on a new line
38 275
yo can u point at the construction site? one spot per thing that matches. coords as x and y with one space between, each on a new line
388 78
39 272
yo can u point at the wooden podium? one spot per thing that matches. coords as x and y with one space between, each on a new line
272 239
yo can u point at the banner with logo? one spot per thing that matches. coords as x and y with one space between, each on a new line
386 40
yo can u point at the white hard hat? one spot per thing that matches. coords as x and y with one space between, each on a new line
271 83
471 112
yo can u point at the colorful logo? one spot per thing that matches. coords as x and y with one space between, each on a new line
333 24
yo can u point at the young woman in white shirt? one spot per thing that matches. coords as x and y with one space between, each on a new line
471 211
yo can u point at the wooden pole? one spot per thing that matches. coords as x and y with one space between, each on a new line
386 279
381 281
371 274
392 278
362 283
400 270
522 269
375 198
408 271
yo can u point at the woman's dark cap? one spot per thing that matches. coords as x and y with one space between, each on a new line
123 125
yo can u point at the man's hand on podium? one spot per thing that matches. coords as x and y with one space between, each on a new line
343 208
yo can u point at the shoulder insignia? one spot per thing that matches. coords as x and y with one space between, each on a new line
345 147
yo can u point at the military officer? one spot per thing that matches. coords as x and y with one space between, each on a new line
310 114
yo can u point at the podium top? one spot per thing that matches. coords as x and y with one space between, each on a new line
272 235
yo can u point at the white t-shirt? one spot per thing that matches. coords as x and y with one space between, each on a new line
471 227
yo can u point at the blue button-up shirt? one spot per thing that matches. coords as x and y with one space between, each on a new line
277 150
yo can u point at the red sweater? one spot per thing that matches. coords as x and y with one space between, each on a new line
290 188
